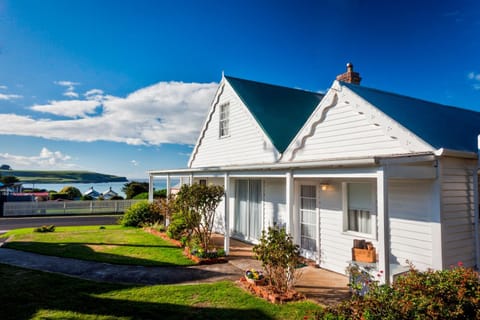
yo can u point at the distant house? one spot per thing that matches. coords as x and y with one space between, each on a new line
109 194
10 188
94 194
352 164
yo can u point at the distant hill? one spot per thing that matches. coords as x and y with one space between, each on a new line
34 176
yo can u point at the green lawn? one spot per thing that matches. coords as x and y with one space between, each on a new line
28 294
114 244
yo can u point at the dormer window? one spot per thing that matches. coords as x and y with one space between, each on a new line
224 120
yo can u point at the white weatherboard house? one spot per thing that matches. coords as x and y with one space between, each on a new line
355 163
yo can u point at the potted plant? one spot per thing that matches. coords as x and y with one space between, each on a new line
255 277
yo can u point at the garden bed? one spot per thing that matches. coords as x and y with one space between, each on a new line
199 260
186 251
164 236
268 293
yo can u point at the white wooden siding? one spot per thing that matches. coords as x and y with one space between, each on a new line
245 144
411 226
344 125
335 245
346 133
457 202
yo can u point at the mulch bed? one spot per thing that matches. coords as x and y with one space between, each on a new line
186 251
267 292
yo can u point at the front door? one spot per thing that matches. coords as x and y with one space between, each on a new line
308 221
248 209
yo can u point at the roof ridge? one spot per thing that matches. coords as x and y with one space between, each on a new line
408 97
275 85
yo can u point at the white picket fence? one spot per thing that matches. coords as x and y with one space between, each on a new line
41 208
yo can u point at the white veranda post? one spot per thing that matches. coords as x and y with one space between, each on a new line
383 225
226 200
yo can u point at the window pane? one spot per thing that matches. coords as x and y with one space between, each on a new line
359 207
360 195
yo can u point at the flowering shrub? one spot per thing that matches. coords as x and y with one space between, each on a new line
279 256
446 294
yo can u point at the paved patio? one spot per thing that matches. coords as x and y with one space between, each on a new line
318 284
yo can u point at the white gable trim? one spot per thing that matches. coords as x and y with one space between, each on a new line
318 116
267 141
389 126
341 95
207 121
259 128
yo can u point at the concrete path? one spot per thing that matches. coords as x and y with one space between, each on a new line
99 271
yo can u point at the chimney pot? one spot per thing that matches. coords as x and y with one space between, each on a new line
350 76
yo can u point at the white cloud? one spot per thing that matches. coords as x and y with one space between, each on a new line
476 78
9 96
70 94
93 93
3 87
70 88
166 112
135 163
68 108
45 159
69 84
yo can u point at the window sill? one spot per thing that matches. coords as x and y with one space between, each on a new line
224 137
354 234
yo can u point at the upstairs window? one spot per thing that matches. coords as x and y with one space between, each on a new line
224 120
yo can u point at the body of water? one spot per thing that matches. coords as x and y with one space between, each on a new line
83 187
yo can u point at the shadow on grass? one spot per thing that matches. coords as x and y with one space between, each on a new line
98 271
25 293
173 255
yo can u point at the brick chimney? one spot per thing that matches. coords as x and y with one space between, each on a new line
350 76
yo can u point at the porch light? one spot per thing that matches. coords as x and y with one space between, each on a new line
324 186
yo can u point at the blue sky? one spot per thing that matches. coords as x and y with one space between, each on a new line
123 87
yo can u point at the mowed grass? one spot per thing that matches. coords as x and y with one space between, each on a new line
28 294
113 244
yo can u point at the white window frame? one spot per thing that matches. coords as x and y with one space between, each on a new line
373 212
224 120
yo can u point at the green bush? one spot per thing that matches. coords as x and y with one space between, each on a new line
59 196
177 227
446 294
142 214
141 196
279 256
43 229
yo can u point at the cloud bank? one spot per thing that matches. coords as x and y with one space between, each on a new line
45 159
166 112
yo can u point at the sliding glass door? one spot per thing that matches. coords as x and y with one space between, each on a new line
248 209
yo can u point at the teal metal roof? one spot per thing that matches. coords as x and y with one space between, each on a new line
280 111
439 125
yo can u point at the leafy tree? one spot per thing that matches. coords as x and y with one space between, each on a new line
72 192
131 189
197 204
5 167
9 179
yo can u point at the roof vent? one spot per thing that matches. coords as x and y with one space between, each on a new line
350 76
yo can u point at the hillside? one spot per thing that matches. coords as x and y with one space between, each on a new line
34 176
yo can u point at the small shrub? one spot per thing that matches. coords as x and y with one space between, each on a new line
50 228
279 256
177 227
102 228
142 214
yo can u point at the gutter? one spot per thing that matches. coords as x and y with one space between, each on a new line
454 153
332 163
